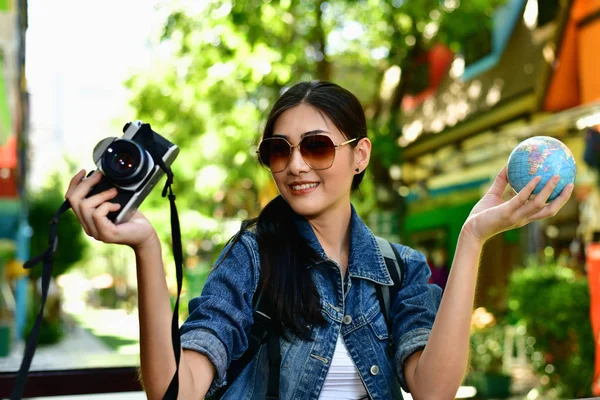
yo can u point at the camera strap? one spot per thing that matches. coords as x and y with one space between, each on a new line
150 144
173 389
47 257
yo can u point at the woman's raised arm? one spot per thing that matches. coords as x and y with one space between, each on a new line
156 349
437 371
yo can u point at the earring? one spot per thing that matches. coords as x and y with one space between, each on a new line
357 170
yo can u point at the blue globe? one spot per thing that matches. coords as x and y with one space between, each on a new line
544 156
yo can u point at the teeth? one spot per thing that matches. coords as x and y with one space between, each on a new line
304 186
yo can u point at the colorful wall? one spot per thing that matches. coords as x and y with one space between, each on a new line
14 229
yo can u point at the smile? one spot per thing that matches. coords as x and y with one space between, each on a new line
304 186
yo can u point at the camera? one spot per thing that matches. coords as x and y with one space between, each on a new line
131 164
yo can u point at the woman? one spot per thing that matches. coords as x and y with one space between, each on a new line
319 265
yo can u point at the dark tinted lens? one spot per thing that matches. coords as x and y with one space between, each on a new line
123 159
274 153
318 151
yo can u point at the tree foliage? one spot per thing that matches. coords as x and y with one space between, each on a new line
72 244
224 63
554 304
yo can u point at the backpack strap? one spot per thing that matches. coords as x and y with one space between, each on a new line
396 268
274 353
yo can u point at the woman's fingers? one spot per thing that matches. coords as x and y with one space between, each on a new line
82 186
97 199
499 183
523 196
89 205
537 202
542 197
74 182
80 189
106 230
74 195
83 207
517 208
92 213
528 208
552 209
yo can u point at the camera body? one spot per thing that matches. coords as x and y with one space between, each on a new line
130 164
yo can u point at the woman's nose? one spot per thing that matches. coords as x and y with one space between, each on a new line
297 163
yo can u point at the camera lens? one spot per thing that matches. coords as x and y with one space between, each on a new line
125 162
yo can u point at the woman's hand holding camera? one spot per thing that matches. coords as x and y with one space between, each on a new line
92 214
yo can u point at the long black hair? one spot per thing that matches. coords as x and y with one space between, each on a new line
286 282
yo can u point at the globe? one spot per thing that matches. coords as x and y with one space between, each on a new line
544 156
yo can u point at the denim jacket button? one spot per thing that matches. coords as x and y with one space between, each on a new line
347 319
374 370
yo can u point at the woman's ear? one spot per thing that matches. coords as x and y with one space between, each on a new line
362 154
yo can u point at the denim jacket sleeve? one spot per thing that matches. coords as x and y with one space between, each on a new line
414 309
220 318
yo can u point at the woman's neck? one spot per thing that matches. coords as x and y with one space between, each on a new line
333 232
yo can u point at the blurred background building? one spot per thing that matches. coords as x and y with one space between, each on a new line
459 131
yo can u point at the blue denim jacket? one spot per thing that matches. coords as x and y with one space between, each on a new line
221 317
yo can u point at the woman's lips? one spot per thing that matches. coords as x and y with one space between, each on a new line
303 188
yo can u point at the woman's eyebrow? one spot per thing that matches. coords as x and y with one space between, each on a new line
313 132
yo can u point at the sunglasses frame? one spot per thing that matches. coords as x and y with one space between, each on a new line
292 147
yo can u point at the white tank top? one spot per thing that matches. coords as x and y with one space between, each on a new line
342 381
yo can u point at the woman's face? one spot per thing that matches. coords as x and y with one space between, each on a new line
311 192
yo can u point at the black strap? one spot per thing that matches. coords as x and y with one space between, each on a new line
150 144
47 257
397 273
173 389
274 367
396 268
382 304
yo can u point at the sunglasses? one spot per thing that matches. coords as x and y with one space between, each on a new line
317 151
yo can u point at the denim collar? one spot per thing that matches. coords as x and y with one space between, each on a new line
365 259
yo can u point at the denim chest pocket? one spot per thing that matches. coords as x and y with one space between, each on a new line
373 319
376 321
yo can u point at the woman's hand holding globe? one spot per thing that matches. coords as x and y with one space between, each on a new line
540 166
541 156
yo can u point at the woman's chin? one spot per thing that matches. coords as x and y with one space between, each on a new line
306 207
